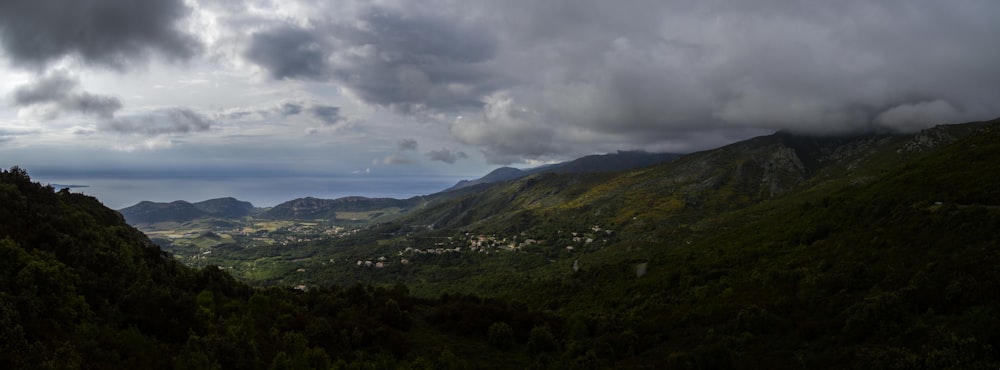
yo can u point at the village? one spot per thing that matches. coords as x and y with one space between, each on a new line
488 245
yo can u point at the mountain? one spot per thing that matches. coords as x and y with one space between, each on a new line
696 185
598 163
873 251
152 212
147 212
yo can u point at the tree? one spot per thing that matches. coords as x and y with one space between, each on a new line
541 340
501 335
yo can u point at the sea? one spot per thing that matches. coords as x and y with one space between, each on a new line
117 193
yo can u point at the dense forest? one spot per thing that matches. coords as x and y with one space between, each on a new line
895 269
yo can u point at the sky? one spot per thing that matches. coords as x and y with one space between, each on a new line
371 89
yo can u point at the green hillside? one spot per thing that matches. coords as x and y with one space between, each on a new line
784 251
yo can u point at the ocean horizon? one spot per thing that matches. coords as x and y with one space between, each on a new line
118 193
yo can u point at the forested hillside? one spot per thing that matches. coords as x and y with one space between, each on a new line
81 289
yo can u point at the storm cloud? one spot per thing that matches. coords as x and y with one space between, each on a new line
504 81
536 80
327 114
289 52
105 32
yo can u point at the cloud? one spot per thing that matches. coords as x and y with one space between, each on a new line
406 144
548 79
9 134
59 91
289 52
167 121
290 109
506 132
111 33
446 155
406 62
327 114
914 116
524 80
281 109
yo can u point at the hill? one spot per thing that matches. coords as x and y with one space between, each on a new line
226 208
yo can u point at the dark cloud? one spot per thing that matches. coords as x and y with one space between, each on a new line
408 62
106 32
592 74
415 61
60 90
329 115
290 109
168 121
289 52
446 155
47 89
407 144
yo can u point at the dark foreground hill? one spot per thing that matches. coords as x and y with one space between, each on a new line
80 289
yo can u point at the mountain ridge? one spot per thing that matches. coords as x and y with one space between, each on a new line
147 212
